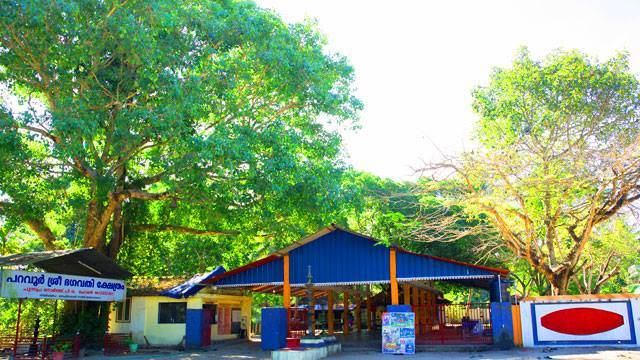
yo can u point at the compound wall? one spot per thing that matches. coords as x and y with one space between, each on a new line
581 320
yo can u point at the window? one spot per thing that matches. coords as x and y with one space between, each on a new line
123 311
172 313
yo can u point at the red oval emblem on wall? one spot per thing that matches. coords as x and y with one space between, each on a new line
582 321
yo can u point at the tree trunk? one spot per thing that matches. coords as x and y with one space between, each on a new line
559 282
117 224
117 232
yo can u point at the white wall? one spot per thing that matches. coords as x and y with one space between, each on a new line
621 335
144 318
527 329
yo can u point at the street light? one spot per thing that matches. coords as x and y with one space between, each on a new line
310 330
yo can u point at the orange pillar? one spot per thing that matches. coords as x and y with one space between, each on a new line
430 308
423 313
406 294
517 325
369 313
313 313
392 276
416 309
345 313
330 312
358 310
286 288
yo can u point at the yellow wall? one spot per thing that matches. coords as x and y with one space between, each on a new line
144 318
517 325
242 302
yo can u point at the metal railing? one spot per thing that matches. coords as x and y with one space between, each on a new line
455 324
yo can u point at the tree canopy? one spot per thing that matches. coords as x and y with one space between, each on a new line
559 156
188 116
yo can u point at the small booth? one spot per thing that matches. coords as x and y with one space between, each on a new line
68 275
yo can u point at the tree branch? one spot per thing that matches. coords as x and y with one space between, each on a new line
38 227
180 229
44 233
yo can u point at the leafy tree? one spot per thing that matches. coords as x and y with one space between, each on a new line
132 117
394 212
613 249
559 157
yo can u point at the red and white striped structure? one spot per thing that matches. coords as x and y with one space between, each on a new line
612 319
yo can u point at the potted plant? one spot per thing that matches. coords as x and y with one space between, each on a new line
59 349
133 347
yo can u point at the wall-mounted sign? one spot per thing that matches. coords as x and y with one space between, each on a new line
594 322
38 285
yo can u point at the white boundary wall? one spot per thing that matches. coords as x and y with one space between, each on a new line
618 315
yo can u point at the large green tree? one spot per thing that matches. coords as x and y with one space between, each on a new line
558 157
207 109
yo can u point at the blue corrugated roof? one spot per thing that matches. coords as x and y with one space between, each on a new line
268 271
191 286
412 266
341 257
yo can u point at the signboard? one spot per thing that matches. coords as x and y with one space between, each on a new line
398 333
609 321
38 285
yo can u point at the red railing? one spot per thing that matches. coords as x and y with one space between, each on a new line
455 324
26 346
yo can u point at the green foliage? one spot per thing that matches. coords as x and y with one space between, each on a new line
209 108
61 347
395 213
90 322
48 311
559 157
189 134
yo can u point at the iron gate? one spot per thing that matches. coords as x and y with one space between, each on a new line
455 324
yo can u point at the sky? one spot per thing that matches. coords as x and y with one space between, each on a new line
416 62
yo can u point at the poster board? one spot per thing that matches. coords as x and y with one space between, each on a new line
398 333
40 285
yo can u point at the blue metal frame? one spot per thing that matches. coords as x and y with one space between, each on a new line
632 328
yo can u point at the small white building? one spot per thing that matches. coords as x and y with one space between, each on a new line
174 311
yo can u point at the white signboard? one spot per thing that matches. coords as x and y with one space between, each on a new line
592 320
38 285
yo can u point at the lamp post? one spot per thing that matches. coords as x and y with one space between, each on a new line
310 331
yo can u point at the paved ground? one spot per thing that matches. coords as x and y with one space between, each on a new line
563 353
252 351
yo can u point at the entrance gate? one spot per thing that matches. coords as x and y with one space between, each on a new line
456 324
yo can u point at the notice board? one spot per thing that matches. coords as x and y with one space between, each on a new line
398 333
